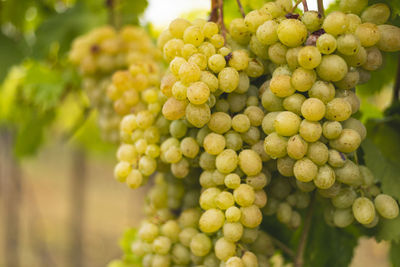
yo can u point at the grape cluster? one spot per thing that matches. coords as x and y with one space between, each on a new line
98 54
257 123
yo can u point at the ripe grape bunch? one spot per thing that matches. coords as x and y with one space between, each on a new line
97 55
249 123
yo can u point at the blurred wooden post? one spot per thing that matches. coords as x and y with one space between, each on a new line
77 215
10 187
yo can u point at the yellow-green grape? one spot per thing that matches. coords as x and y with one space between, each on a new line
241 123
233 214
175 65
177 27
224 200
293 103
335 23
332 68
198 93
287 123
250 162
351 6
303 79
377 14
207 49
244 195
349 174
166 84
199 59
239 31
271 102
326 44
331 129
357 126
347 142
209 79
292 57
214 143
305 170
255 68
220 122
228 79
232 231
386 206
336 159
193 35
127 153
313 20
277 53
239 60
216 63
261 198
208 196
275 145
353 22
258 48
251 216
323 91
389 38
121 171
318 153
179 90
217 40
313 109
281 86
285 166
349 81
134 179
255 115
266 33
172 49
345 198
198 115
296 147
189 72
343 217
161 245
309 57
363 210
255 18
232 181
224 249
368 34
284 212
292 32
226 161
200 245
338 110
348 44
310 131
325 177
211 221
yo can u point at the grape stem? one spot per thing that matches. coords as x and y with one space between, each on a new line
112 16
282 246
214 11
295 5
396 88
241 8
299 258
221 18
321 7
305 6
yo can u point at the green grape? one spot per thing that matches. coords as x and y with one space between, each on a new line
171 230
193 35
244 195
250 259
367 176
224 249
177 27
309 57
251 216
188 50
209 29
237 102
174 109
121 171
324 91
343 217
292 32
239 31
318 153
374 59
305 170
331 129
313 20
233 140
268 122
180 254
353 22
234 262
218 177
250 162
336 159
226 161
181 168
258 48
220 122
271 102
160 260
326 44
296 147
199 59
239 60
216 63
214 143
209 79
368 34
338 110
345 198
275 145
377 14
349 81
348 44
286 123
363 210
386 206
255 18
351 6
148 231
272 8
241 123
224 200
228 79
211 220
266 33
189 147
233 214
261 198
284 212
332 68
350 97
313 109
244 83
305 187
355 125
349 174
277 53
198 115
252 136
255 68
347 142
161 245
172 49
186 235
134 179
281 86
285 166
189 72
303 79
389 38
335 23
207 161
325 177
232 231
200 245
310 131
255 115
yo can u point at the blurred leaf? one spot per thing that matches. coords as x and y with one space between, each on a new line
389 229
11 52
395 253
129 11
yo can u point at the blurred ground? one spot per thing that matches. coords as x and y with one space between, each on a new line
110 208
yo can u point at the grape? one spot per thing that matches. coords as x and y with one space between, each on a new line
363 210
284 213
239 60
303 79
389 38
216 63
198 115
266 33
214 143
250 162
200 245
161 245
277 53
347 142
292 57
220 122
312 20
224 200
348 44
281 86
349 174
239 31
386 206
224 249
255 115
331 129
313 109
309 57
305 170
349 81
377 14
228 79
285 166
287 123
335 23
296 147
310 131
326 44
244 195
332 68
338 110
374 59
350 6
211 220
368 34
251 216
271 102
241 123
134 179
318 153
275 145
345 198
343 217
292 32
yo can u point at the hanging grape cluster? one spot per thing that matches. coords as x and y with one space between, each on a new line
255 122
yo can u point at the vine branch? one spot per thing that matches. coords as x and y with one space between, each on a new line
305 5
221 18
320 7
214 11
295 5
241 8
299 258
283 247
112 16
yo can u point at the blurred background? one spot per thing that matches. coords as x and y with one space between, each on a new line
59 203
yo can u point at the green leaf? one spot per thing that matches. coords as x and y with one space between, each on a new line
395 253
388 230
11 52
129 11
